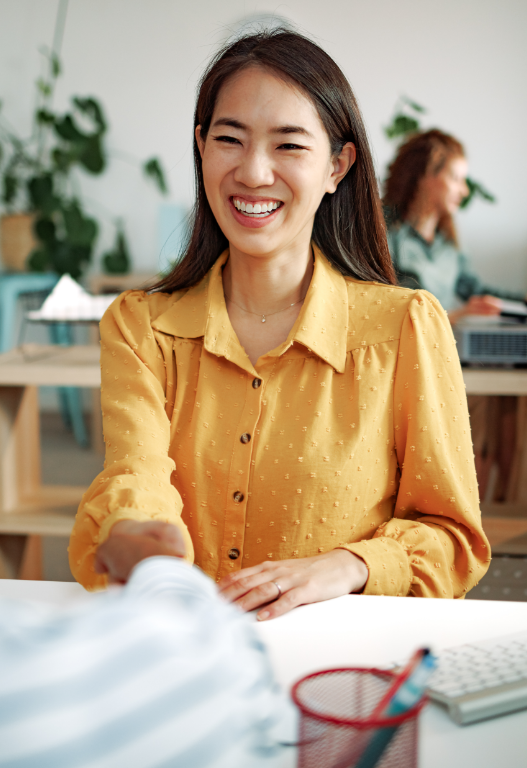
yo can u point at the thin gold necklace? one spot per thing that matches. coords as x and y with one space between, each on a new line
262 314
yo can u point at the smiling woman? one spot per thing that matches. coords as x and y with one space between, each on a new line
299 418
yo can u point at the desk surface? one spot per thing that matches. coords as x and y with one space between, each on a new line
367 631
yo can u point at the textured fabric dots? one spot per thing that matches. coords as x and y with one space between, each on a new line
338 398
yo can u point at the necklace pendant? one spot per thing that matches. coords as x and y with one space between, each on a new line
263 319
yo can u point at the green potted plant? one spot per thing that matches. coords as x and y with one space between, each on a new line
44 213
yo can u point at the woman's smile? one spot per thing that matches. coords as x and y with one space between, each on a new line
252 212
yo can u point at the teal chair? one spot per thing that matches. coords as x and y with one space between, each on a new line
14 286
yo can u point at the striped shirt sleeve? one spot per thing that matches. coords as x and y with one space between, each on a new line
159 673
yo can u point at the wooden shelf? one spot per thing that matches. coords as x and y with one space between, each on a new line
51 365
493 381
50 511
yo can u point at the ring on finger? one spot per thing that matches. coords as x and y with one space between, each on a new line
279 588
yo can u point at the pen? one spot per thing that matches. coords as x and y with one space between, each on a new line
405 693
381 708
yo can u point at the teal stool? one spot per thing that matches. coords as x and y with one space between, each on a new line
14 285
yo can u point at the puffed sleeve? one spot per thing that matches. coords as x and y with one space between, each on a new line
434 546
135 483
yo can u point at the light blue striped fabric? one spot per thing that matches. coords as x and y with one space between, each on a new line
161 673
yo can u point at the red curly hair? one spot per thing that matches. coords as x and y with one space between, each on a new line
422 153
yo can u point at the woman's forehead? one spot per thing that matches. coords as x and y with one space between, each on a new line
257 96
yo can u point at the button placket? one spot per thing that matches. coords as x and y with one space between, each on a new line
242 453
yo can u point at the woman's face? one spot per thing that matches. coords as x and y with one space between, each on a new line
447 189
267 163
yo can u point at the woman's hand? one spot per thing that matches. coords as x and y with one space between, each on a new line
476 305
130 542
309 580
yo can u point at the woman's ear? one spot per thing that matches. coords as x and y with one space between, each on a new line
340 166
199 140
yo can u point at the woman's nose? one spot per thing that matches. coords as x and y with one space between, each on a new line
255 169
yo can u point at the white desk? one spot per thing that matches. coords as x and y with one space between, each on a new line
368 631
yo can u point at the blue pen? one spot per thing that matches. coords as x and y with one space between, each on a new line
407 696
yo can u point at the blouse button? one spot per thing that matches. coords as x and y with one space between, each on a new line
245 438
256 383
238 496
234 554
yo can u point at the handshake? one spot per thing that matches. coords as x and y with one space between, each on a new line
130 542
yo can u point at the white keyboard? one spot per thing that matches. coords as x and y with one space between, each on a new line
482 680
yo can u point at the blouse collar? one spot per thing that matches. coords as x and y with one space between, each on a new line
321 326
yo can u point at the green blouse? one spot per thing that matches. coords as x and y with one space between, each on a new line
438 267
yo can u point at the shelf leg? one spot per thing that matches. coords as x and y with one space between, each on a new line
20 474
12 549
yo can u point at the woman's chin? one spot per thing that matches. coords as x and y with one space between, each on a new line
256 244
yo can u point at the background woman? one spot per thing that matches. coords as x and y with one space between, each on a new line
272 398
425 186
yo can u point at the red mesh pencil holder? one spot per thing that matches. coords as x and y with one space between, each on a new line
336 723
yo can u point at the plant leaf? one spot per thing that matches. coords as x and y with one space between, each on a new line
10 188
117 261
44 87
45 231
55 65
91 107
153 169
62 159
80 230
475 189
39 260
66 129
92 155
401 125
70 259
44 117
41 196
414 105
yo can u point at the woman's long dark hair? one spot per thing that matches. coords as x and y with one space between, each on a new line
349 226
422 153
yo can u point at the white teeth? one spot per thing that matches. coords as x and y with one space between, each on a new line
257 208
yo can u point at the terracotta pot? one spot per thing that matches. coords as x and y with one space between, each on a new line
16 240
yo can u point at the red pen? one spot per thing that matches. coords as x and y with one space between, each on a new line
400 679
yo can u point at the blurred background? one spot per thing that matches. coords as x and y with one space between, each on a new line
464 60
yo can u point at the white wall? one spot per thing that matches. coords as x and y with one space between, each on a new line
464 59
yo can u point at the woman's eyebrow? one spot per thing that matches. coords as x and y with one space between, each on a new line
284 129
281 129
230 122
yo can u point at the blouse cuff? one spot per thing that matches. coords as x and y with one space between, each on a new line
125 513
388 564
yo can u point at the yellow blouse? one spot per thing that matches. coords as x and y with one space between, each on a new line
353 433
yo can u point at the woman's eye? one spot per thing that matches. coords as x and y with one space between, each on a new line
226 139
290 146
